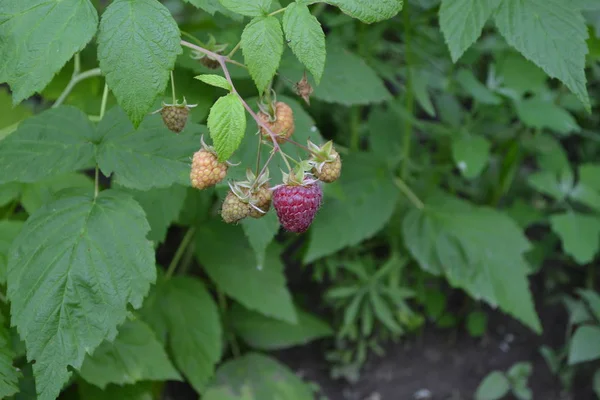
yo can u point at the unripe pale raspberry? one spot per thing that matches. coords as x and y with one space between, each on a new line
283 126
234 209
206 170
261 199
329 171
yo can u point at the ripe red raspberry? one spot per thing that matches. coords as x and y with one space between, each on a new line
261 199
282 124
234 209
206 169
297 205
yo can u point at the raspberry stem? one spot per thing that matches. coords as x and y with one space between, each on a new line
173 88
187 238
223 62
404 188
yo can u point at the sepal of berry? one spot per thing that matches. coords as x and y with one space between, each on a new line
234 208
279 117
255 190
326 162
303 89
175 116
206 169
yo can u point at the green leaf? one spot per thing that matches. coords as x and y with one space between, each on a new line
538 113
579 233
462 21
10 192
262 46
476 89
471 154
36 194
8 232
72 270
452 237
215 80
134 55
548 183
230 264
249 8
134 355
347 79
493 387
260 233
38 38
140 391
386 133
550 33
305 37
592 300
192 320
50 143
419 84
265 333
476 323
227 125
365 202
587 190
162 207
257 377
9 374
368 11
519 74
585 344
148 157
16 114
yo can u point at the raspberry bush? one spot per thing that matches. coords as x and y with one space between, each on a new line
162 162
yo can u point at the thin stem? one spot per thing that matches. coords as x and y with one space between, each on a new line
173 88
410 101
239 64
354 128
187 238
194 38
74 81
409 193
234 50
104 100
287 163
264 168
277 11
258 152
298 144
222 61
77 65
235 348
96 182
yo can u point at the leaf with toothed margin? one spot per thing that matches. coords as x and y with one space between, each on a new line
72 272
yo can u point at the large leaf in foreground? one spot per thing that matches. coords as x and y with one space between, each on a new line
184 310
552 34
229 260
9 375
147 157
72 271
478 249
135 355
369 11
257 377
38 37
138 43
56 141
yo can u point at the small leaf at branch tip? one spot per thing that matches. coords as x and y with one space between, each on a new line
214 80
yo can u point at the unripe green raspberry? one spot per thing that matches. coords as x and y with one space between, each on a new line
234 209
262 200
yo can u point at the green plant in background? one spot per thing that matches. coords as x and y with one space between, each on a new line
497 384
118 274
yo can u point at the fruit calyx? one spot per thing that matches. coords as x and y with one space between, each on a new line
325 161
206 60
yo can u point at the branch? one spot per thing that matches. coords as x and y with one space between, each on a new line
75 79
223 62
